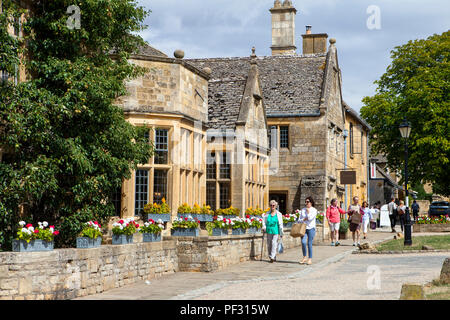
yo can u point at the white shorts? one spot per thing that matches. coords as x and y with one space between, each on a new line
334 226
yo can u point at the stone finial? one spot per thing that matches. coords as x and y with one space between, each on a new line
207 70
253 56
332 41
287 3
277 4
179 54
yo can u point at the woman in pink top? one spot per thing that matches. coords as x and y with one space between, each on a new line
334 219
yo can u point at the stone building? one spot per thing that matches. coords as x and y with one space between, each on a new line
304 109
171 99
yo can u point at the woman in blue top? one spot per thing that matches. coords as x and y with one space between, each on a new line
366 217
273 226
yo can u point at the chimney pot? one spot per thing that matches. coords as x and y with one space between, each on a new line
308 29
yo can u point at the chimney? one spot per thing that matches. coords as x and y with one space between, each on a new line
283 28
314 43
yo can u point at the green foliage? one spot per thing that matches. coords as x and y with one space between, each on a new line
68 146
415 85
343 226
126 227
91 230
185 223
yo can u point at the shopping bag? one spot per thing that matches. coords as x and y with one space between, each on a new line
298 230
280 246
356 218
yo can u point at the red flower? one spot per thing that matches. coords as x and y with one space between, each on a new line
52 227
185 218
137 226
247 216
36 230
121 221
95 222
56 232
28 225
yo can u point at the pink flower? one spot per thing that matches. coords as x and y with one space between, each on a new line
28 225
36 230
56 232
121 221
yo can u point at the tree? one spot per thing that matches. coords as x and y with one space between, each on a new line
68 146
417 86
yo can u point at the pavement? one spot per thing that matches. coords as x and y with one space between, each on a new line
335 274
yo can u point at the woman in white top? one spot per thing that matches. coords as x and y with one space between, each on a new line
366 217
308 216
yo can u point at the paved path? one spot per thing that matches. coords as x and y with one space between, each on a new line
335 274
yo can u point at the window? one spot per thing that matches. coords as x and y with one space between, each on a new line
117 201
141 191
224 167
159 186
224 196
4 76
211 194
284 137
211 166
161 146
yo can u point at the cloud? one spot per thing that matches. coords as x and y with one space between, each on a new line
229 28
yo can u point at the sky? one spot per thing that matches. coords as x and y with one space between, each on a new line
365 31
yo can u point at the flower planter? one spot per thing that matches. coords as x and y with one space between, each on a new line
180 232
151 237
32 246
219 232
231 216
343 235
238 232
206 218
255 216
165 217
254 230
88 243
122 239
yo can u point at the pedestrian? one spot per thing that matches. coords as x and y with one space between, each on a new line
308 216
401 210
273 227
392 208
356 228
333 215
366 218
415 209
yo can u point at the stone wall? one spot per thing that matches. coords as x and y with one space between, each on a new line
71 273
431 227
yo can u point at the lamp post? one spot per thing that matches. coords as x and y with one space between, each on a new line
405 130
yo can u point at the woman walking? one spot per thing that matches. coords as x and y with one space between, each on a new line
401 209
355 228
273 227
366 218
308 216
334 220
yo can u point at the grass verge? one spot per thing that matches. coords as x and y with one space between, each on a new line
436 242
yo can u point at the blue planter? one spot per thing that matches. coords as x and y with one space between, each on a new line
151 237
253 230
165 217
288 224
180 232
256 217
88 243
238 232
32 246
207 218
122 239
219 232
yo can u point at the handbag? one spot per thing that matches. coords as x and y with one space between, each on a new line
356 218
373 225
280 246
298 230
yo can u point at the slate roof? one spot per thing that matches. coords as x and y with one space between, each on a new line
224 102
148 50
292 85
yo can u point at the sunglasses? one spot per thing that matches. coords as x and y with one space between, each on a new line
273 205
307 201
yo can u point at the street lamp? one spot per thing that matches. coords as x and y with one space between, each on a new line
405 130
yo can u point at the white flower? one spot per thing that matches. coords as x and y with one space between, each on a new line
146 224
160 221
161 226
31 229
45 223
25 230
51 230
121 227
22 223
190 217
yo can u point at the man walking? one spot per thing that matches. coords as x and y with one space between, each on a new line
415 209
392 207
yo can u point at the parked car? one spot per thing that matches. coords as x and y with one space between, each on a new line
438 208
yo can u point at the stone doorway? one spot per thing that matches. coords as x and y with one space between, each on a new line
281 198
